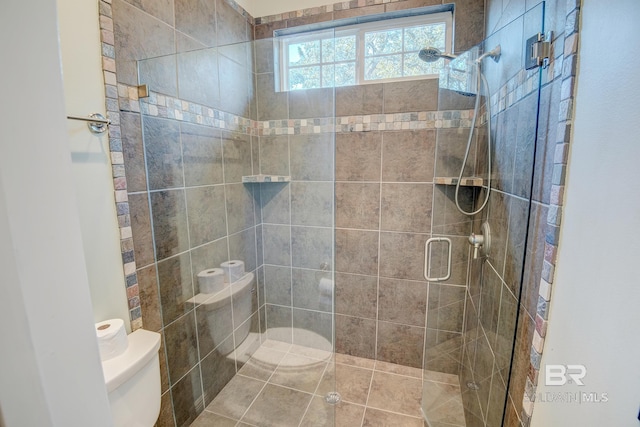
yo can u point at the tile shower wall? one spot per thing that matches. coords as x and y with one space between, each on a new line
383 200
469 17
548 185
189 210
495 286
297 232
170 262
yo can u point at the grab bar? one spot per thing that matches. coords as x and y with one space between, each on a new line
97 123
427 258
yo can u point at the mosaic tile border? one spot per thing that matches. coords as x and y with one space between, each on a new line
554 216
117 162
522 84
158 105
311 11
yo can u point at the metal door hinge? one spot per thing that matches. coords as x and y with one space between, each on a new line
538 50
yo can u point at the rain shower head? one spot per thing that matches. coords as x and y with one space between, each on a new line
432 54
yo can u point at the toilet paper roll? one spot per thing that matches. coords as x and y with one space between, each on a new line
211 280
325 290
326 287
233 270
112 338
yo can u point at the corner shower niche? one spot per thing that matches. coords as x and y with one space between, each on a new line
464 181
261 179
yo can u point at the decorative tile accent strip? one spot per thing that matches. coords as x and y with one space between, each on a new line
522 84
345 5
541 326
117 162
405 121
159 105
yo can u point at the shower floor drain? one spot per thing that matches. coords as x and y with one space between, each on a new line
333 398
473 386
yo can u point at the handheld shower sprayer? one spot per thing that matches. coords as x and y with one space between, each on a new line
432 54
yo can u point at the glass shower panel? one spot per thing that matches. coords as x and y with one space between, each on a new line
238 171
472 317
297 140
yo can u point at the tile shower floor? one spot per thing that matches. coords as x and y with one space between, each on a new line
285 385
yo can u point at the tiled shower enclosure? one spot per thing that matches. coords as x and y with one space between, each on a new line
337 251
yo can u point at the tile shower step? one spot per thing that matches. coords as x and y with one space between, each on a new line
471 181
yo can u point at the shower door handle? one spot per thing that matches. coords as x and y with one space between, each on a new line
427 259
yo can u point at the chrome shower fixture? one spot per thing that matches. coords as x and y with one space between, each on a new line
481 242
432 54
493 53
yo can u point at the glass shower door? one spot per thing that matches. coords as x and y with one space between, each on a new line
237 170
472 316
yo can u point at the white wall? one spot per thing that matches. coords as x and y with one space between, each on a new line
19 373
595 306
50 372
84 94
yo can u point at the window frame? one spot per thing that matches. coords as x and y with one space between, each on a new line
282 42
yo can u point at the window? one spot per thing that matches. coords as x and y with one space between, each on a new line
364 53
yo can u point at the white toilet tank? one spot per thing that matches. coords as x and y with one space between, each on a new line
133 381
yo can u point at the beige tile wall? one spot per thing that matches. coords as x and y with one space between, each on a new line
383 199
189 210
492 308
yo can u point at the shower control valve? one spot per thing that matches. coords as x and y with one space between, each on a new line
481 242
476 239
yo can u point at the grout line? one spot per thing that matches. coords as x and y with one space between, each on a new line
226 219
290 230
315 392
254 399
193 285
394 412
379 231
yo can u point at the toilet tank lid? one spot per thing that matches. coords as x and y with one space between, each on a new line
143 346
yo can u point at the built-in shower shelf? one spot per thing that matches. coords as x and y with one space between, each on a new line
265 178
471 181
